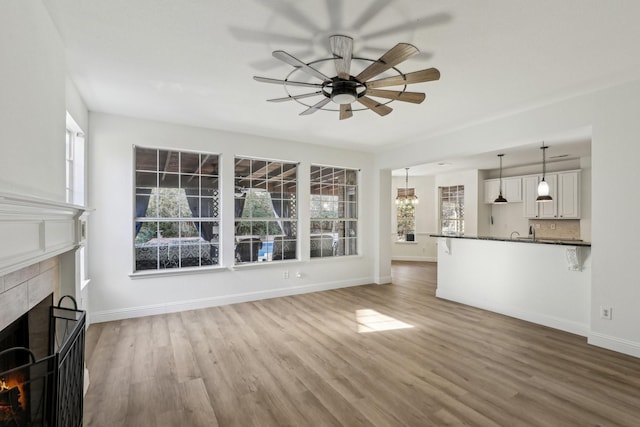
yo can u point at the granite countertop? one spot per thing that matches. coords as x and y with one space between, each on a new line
566 242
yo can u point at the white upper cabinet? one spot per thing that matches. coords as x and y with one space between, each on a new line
550 209
564 189
491 190
511 189
569 195
530 184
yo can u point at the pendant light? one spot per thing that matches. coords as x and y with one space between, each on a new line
543 186
406 196
500 200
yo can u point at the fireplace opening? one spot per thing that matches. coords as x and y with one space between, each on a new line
41 367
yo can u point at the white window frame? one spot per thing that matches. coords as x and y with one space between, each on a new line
333 211
184 252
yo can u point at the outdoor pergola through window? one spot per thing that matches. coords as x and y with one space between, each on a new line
333 211
176 209
266 219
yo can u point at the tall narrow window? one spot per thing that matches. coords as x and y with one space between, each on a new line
406 219
74 163
333 211
452 209
68 183
266 215
176 209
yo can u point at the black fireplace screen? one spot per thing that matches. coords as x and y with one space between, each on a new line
46 392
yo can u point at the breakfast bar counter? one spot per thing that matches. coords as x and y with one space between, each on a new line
543 281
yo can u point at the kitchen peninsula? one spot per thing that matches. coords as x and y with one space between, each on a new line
544 281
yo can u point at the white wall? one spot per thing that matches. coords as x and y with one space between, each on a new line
424 247
114 294
32 102
615 229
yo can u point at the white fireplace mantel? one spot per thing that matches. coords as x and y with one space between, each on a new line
32 230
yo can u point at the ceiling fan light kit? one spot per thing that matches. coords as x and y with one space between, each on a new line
345 89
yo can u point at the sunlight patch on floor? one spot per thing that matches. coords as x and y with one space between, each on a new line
372 321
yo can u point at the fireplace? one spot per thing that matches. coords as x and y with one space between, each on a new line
41 367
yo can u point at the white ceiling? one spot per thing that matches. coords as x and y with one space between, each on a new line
192 61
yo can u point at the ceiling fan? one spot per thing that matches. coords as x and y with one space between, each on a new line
344 89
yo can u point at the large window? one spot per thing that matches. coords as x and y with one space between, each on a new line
266 216
452 209
176 209
333 211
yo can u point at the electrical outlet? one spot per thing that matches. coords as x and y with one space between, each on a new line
606 312
286 274
553 226
537 226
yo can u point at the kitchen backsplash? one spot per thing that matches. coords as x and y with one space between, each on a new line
554 229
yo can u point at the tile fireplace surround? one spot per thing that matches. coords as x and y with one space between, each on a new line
34 235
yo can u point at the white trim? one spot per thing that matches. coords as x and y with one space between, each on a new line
541 319
414 258
383 280
609 342
172 307
32 230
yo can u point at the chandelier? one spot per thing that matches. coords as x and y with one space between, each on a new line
406 195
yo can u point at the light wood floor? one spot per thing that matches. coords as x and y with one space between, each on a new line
300 361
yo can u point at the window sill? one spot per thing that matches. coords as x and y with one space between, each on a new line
267 264
336 258
144 274
404 242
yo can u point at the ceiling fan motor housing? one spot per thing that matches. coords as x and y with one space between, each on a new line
344 91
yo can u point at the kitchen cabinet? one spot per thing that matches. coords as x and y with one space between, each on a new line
491 190
569 195
564 189
511 189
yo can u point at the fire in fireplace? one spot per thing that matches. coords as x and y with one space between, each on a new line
11 401
42 387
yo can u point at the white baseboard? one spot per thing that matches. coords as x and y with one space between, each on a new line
383 280
620 345
415 258
538 318
177 306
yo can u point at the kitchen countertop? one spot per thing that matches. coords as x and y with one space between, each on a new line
519 240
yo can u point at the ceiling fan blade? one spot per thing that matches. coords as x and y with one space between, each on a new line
375 106
315 107
285 82
427 75
295 62
345 111
413 97
342 48
393 57
291 98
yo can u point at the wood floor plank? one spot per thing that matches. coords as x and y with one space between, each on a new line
305 360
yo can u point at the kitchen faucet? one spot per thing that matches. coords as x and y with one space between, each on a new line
514 232
532 232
